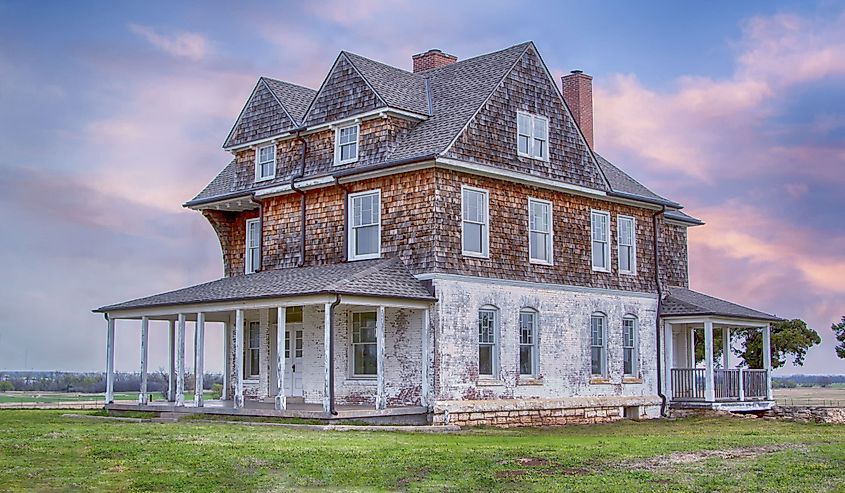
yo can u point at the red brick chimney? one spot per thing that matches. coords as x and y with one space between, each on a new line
432 59
578 94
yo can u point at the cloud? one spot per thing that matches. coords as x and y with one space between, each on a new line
192 46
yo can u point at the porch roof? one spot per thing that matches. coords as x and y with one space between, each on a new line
683 302
388 278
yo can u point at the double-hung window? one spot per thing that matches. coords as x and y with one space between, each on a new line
346 144
629 346
627 240
598 345
475 228
540 231
364 345
532 139
528 343
365 225
265 163
488 353
252 361
600 225
253 246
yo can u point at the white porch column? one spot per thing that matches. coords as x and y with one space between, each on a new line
669 356
426 351
227 362
767 359
709 387
199 359
110 362
143 398
171 360
239 359
281 400
380 397
726 347
180 360
327 339
691 353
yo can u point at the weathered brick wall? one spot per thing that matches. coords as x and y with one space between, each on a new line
263 117
491 136
674 265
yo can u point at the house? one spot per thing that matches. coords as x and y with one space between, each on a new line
443 245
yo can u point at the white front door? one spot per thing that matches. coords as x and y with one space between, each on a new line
294 347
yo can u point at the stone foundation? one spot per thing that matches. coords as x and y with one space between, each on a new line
830 415
536 417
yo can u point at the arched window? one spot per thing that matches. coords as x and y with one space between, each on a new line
630 346
488 342
529 354
598 345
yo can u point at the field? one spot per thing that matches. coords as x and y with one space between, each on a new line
43 451
13 397
811 396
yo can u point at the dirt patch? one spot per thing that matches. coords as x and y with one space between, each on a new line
680 458
532 461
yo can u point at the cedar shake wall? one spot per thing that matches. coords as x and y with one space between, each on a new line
231 231
263 117
344 93
674 267
509 236
491 136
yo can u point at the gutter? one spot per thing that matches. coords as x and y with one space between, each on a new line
649 200
659 308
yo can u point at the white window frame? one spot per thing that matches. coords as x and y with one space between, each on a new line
593 214
494 351
603 345
634 347
549 234
352 344
633 245
258 163
534 344
337 160
251 373
485 225
532 136
351 255
250 254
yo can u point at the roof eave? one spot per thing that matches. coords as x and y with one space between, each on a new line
643 198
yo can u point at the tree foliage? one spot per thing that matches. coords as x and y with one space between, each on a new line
790 339
839 330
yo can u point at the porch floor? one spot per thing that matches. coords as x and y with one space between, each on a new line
730 406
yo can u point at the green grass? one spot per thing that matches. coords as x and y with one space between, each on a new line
42 451
50 397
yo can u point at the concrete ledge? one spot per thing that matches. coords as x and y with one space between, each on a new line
732 407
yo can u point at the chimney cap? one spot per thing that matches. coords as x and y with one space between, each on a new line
435 51
577 72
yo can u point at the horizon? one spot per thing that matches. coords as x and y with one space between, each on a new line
112 117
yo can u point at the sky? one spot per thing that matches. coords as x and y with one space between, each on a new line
113 114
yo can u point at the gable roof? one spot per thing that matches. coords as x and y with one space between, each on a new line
293 98
396 87
273 108
681 301
385 278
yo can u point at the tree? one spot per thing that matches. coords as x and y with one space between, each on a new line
789 338
6 386
839 330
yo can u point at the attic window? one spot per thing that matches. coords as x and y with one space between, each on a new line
346 144
265 163
532 139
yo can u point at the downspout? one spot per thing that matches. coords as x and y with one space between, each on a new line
659 308
330 362
345 218
293 178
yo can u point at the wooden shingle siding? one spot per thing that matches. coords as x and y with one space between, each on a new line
674 265
262 117
345 93
231 231
491 136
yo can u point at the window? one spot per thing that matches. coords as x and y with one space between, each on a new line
297 338
293 315
528 343
598 345
487 342
346 144
365 225
629 346
532 136
601 240
265 163
540 231
474 204
252 364
364 360
627 239
253 246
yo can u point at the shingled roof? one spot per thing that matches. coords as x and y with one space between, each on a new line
686 302
384 278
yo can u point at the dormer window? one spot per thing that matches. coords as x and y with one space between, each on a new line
346 144
265 163
532 139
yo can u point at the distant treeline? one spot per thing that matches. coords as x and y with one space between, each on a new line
793 381
58 381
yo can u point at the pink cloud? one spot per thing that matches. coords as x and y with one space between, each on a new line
192 46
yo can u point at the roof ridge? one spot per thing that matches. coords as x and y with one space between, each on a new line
394 67
287 82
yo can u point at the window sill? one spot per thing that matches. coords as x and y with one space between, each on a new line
529 381
361 380
535 158
627 273
605 271
540 262
251 380
266 178
632 380
600 381
350 161
480 256
364 257
489 382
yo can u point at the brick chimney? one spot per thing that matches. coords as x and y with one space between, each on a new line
578 94
432 59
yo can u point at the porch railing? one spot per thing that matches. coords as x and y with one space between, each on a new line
726 384
754 383
688 384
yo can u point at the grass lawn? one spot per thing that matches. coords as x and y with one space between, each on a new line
40 450
18 397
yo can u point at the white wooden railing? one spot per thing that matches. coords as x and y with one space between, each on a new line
755 383
689 384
